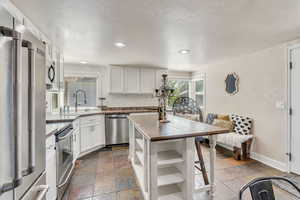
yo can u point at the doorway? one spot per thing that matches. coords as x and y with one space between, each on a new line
294 56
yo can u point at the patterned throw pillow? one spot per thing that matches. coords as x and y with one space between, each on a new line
224 124
224 117
242 125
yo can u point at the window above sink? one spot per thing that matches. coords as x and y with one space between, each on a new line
82 88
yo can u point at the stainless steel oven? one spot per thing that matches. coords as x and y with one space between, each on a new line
64 158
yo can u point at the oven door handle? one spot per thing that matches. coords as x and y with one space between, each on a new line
67 178
64 137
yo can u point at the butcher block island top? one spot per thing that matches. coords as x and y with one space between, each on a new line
163 156
177 128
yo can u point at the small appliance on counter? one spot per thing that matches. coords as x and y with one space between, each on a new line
102 106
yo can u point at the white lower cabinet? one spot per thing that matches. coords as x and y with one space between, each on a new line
76 143
51 168
91 136
92 133
84 138
76 139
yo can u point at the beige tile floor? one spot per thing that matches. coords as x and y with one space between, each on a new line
107 175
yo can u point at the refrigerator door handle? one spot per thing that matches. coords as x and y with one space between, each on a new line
31 114
15 123
42 191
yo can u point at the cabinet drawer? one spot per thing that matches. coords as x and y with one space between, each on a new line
91 119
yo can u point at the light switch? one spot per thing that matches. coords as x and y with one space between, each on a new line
280 105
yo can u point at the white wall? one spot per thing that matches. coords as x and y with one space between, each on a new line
179 75
263 82
115 100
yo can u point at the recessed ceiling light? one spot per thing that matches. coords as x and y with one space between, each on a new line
185 51
120 44
83 62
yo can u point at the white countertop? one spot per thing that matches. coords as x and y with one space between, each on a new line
52 128
69 117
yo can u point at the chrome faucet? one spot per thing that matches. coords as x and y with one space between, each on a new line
76 98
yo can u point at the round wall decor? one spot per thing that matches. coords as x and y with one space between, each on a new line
51 73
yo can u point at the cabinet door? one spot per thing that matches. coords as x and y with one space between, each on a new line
76 143
61 71
132 80
100 132
147 81
96 136
51 168
92 136
54 73
116 79
84 135
57 68
48 62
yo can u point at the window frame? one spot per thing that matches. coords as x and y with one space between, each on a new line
97 76
194 93
192 88
180 79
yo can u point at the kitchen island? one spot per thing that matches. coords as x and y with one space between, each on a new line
162 155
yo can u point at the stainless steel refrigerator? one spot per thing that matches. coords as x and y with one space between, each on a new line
22 112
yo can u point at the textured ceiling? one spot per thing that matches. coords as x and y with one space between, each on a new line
155 30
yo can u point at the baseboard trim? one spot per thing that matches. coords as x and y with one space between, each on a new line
269 161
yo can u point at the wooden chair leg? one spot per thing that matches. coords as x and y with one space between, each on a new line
201 162
246 149
237 153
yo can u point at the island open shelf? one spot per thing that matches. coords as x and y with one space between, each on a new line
162 156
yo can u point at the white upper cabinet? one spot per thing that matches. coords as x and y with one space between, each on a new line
54 68
147 81
92 132
132 80
49 73
61 71
116 79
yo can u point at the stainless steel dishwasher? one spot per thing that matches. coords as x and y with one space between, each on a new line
116 129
